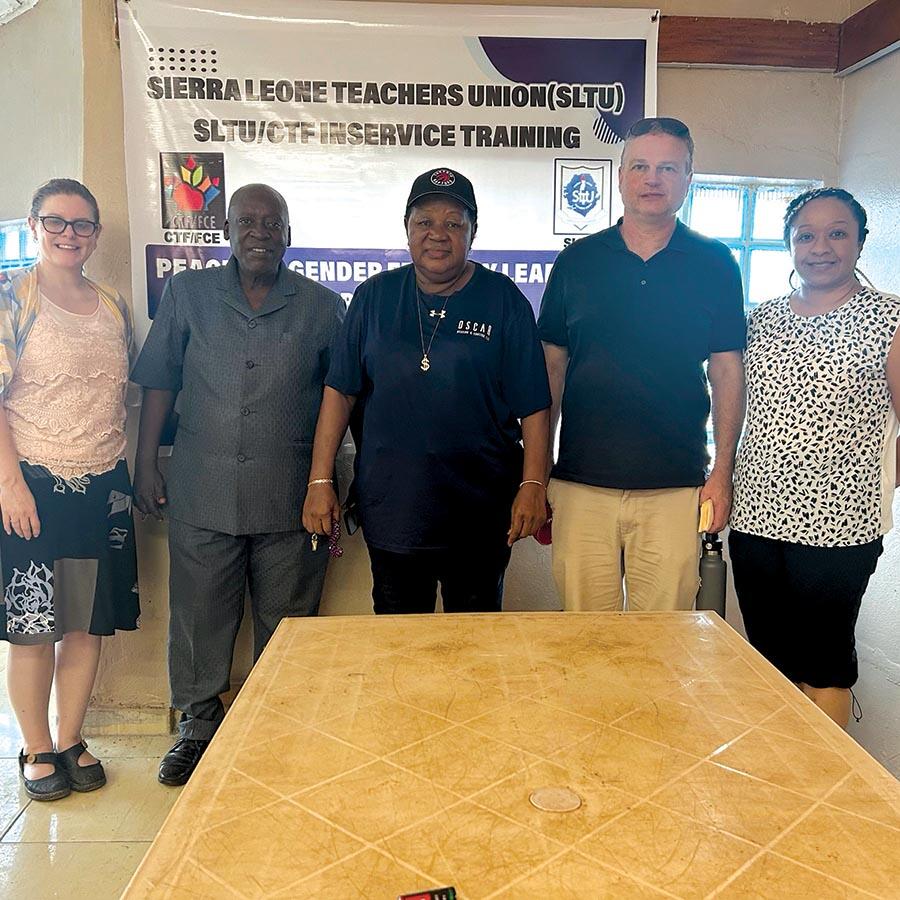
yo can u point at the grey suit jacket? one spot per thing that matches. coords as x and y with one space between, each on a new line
250 386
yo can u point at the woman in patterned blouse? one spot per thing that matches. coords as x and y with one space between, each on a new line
67 543
816 469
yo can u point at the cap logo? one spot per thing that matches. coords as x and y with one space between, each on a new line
443 178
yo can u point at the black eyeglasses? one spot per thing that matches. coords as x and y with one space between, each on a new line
675 127
57 225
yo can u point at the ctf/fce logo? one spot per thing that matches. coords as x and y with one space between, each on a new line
192 188
582 201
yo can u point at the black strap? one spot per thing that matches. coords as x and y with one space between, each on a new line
81 747
31 759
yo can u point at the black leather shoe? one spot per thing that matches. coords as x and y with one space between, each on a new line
81 778
54 786
178 764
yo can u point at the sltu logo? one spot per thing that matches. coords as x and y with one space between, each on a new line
582 193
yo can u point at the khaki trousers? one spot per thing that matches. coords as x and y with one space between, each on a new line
603 536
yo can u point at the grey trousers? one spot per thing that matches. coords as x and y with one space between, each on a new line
208 574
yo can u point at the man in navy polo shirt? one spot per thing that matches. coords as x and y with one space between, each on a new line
629 317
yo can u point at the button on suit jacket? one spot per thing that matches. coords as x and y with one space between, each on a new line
250 384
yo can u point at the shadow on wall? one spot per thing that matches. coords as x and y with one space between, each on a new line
878 648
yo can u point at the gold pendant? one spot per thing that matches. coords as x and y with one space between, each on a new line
425 365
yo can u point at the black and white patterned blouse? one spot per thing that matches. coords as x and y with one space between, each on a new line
816 464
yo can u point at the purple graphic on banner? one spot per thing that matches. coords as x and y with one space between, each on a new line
578 61
344 270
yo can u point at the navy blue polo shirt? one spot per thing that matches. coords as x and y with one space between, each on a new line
438 457
636 398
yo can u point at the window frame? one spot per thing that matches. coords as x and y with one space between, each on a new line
23 259
749 187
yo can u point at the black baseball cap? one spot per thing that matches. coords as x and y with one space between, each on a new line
447 182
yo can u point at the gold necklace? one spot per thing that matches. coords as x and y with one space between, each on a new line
438 315
425 364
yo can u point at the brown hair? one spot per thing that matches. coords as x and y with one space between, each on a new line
663 125
56 186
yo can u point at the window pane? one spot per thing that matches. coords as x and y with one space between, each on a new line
13 236
717 211
768 214
10 246
769 271
738 255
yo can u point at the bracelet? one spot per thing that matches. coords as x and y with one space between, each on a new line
319 481
529 481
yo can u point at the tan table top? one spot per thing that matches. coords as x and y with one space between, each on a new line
373 756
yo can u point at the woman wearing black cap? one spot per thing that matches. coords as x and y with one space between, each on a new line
440 364
815 472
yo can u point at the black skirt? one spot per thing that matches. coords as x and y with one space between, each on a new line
80 573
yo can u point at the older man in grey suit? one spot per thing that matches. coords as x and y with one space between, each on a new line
247 347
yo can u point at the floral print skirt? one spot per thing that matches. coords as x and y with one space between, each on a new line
80 573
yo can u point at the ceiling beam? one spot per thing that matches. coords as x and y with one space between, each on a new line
715 41
868 35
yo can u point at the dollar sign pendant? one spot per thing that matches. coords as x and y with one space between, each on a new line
425 365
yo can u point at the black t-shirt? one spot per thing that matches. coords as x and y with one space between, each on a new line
439 457
636 402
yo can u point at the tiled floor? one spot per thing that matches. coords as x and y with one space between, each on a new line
87 845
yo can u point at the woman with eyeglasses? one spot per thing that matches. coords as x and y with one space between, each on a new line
67 543
815 473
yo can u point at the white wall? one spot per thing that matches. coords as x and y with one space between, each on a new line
869 166
40 74
747 122
773 124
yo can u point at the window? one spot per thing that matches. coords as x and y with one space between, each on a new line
17 247
746 214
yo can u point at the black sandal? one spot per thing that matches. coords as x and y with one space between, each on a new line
54 786
81 778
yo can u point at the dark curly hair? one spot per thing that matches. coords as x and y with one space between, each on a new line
69 186
855 207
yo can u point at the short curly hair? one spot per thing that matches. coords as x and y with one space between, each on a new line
855 207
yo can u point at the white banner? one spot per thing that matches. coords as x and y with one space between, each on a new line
339 105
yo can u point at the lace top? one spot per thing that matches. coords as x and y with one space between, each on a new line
66 401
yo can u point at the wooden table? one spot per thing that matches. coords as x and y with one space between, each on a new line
374 756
